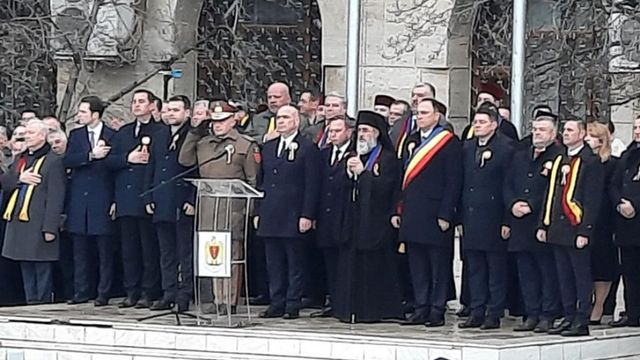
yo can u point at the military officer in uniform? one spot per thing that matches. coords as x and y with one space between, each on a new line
90 194
290 180
220 152
263 125
570 210
430 192
486 160
171 206
128 159
524 192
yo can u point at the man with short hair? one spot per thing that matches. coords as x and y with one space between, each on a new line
486 160
263 125
58 141
171 206
427 210
33 211
524 194
398 111
90 196
335 105
335 186
310 123
286 213
382 105
128 159
571 206
52 123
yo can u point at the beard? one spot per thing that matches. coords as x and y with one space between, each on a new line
364 146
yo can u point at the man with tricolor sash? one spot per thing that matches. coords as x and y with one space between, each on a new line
430 192
486 160
33 213
570 209
524 192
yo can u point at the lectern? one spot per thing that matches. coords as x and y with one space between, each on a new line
222 220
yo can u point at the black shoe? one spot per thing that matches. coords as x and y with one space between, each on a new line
271 313
435 321
161 305
625 321
259 300
222 310
471 323
527 325
312 303
415 319
324 313
595 322
543 326
490 323
128 302
76 301
291 315
100 302
183 306
578 330
557 330
463 312
143 303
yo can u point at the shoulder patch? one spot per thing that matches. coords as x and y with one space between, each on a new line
257 155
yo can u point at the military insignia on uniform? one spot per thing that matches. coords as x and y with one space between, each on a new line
410 147
217 109
376 169
145 142
174 142
486 156
230 150
257 155
546 168
565 171
292 151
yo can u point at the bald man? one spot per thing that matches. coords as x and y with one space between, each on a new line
290 179
263 125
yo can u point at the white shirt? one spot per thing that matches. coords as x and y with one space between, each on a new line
285 142
342 150
97 131
425 134
617 147
574 152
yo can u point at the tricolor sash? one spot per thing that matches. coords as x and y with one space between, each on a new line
470 133
424 153
22 195
321 138
272 124
373 158
407 127
570 207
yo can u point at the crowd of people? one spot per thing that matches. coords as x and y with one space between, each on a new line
358 217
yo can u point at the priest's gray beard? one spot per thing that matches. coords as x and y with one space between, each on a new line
364 146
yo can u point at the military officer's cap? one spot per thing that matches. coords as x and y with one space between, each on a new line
221 110
383 100
491 89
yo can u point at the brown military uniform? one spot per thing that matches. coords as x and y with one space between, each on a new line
235 156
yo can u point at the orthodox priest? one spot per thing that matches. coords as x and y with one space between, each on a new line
367 289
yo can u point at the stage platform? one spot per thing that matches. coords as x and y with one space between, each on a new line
82 332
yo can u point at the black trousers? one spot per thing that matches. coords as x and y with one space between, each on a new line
331 270
63 269
37 277
93 258
315 284
176 258
576 286
630 258
285 257
539 284
140 258
430 275
257 266
487 276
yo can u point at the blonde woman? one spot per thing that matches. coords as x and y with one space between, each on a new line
604 258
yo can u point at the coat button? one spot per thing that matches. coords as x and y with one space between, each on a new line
130 170
86 193
328 210
328 194
128 186
470 209
530 175
330 178
471 189
273 185
561 217
526 191
166 157
164 169
275 171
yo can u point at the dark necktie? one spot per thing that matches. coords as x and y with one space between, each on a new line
92 139
336 157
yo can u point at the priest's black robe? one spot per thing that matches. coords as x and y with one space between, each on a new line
368 288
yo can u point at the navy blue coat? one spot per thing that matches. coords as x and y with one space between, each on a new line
90 187
163 165
291 188
335 187
626 183
129 178
483 206
433 194
527 181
